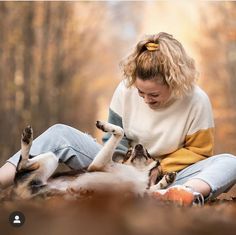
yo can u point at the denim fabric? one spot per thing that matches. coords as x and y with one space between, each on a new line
72 146
218 171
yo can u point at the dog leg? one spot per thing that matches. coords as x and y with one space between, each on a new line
26 142
166 180
105 154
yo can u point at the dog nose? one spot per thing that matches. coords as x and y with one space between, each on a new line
138 147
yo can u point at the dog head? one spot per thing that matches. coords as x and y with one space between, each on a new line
138 157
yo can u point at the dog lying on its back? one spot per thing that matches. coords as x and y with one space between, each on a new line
34 173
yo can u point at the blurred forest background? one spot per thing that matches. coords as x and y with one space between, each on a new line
59 60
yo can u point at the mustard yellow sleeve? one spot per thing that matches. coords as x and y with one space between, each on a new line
197 146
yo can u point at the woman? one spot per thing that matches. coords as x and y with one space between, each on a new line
159 105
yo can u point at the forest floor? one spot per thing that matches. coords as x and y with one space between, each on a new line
120 216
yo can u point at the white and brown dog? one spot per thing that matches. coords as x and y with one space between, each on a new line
132 174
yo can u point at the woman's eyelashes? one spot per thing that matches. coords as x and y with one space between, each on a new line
142 94
154 95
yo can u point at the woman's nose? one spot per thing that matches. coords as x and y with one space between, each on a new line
147 99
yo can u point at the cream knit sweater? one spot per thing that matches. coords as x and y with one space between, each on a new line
179 135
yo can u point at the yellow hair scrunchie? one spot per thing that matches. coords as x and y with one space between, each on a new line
151 46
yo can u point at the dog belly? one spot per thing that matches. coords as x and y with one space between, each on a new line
60 184
116 181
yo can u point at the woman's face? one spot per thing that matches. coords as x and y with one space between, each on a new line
155 95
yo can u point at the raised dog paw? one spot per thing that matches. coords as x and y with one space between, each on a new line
27 135
101 125
108 127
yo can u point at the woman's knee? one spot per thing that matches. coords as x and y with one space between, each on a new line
64 132
60 129
225 161
225 157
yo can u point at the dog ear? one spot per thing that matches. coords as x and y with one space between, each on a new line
127 155
148 155
118 157
155 174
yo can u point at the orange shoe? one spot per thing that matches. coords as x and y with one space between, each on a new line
179 195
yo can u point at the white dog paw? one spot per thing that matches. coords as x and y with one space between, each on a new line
108 127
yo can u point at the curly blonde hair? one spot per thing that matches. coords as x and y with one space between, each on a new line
163 58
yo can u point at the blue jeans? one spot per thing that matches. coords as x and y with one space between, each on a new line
218 171
73 147
77 150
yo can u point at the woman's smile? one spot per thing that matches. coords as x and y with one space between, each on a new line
155 95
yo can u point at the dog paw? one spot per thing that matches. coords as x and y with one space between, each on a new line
101 125
27 135
108 127
170 177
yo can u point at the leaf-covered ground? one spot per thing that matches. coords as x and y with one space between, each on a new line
120 215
